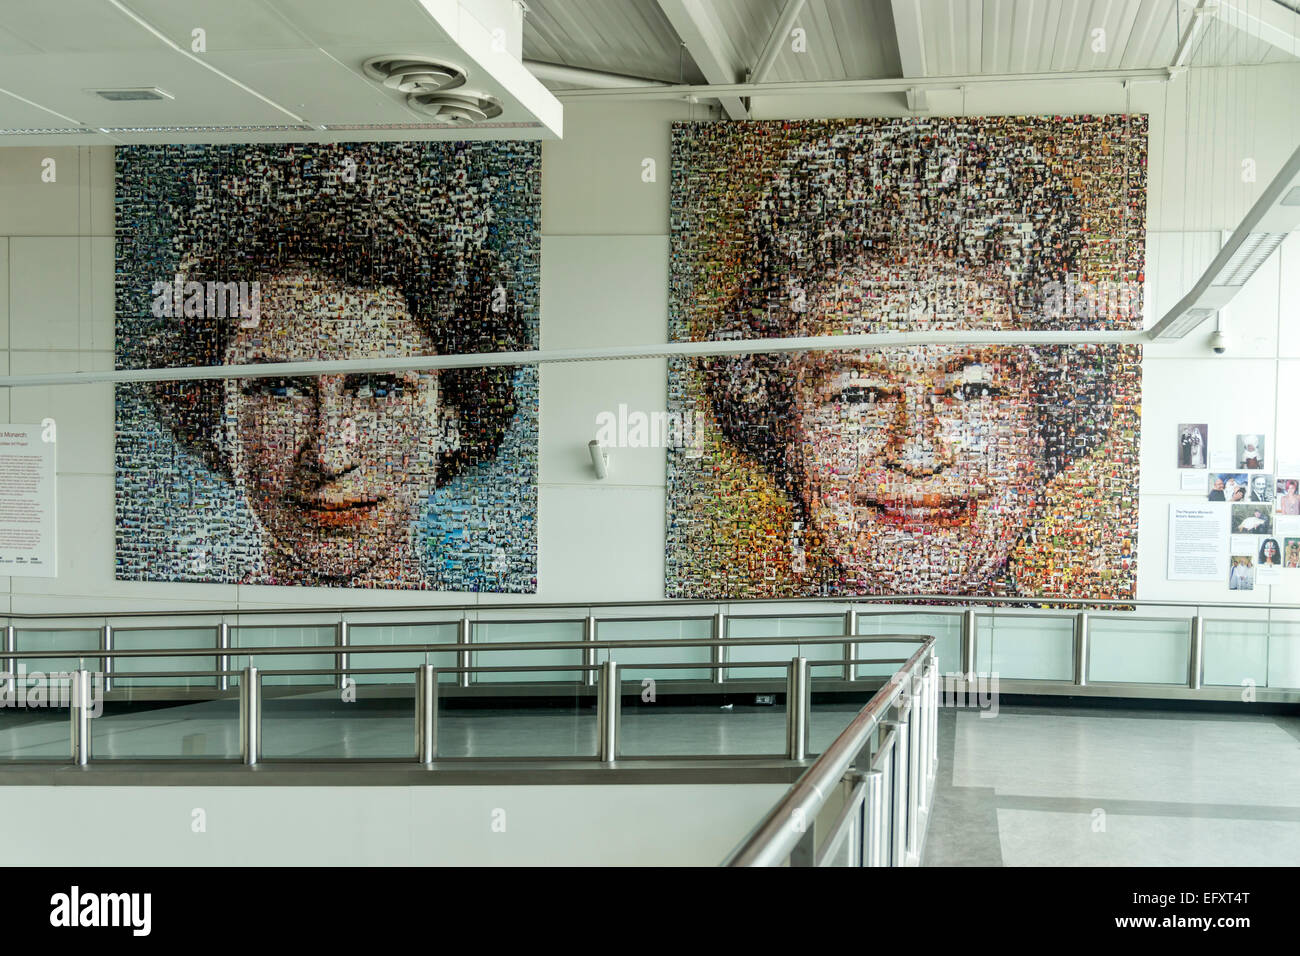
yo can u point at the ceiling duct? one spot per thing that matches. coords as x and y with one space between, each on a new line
459 108
413 75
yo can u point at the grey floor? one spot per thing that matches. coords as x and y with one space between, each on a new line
1032 786
1038 786
319 726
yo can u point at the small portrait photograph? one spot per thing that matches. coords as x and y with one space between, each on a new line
1261 489
1288 496
1193 442
1291 553
1241 573
1250 452
1228 486
245 256
1251 519
1270 553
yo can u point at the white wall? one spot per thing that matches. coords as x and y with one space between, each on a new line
604 282
597 825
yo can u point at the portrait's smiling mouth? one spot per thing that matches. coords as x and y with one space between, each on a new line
923 516
335 512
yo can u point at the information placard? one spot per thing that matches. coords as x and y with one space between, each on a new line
28 516
1198 542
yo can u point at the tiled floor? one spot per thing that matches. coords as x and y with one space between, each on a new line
1037 786
326 728
1031 786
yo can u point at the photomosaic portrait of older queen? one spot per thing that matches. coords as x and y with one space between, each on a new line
290 254
945 469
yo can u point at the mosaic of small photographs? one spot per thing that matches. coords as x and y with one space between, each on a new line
247 255
924 469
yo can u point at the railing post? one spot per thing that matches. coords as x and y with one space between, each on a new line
106 644
223 660
850 649
608 704
589 653
1196 655
898 777
10 647
464 637
1081 627
936 688
969 630
873 818
343 636
250 716
719 655
79 714
426 714
915 785
797 700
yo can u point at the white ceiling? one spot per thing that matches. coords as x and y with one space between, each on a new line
858 39
291 69
291 66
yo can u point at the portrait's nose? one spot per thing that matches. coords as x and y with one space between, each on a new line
333 442
914 446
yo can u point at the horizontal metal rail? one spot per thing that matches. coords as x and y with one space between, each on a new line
921 600
358 649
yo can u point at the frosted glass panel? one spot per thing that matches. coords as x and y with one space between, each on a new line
945 627
700 629
1284 655
285 637
361 635
804 626
80 639
1138 651
1027 647
1235 651
179 637
499 632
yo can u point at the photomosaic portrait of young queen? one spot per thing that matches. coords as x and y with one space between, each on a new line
253 255
918 469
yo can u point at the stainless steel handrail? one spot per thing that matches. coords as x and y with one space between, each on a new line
356 650
778 834
921 600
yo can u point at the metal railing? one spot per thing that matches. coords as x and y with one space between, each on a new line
883 767
1197 625
608 685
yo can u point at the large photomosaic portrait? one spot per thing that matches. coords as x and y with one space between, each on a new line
247 255
918 468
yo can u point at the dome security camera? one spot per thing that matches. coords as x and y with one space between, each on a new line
1219 342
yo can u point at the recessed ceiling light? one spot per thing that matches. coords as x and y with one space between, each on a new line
1292 198
134 93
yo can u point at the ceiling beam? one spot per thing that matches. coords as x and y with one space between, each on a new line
679 91
911 50
772 49
1274 216
1187 42
1265 20
689 20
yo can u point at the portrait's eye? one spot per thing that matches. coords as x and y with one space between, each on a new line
277 387
972 391
376 386
863 395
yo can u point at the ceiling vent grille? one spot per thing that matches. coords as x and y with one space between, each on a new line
456 109
413 75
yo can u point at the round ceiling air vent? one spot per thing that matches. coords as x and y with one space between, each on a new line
409 74
457 108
